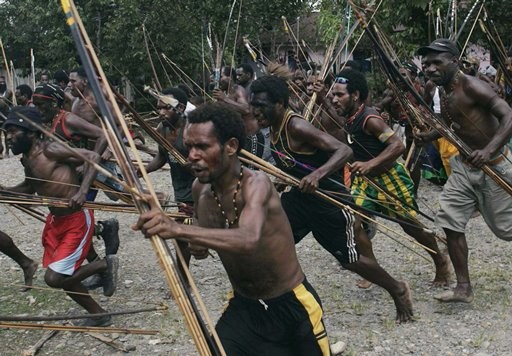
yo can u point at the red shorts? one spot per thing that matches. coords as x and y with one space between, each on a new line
67 240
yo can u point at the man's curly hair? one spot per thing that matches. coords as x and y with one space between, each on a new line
275 87
226 122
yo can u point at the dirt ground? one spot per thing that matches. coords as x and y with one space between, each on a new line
363 319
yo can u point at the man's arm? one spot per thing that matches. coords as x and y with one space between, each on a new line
304 133
239 102
157 162
75 156
480 92
24 187
394 148
244 239
80 127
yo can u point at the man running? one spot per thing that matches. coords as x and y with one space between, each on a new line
317 158
50 170
483 121
273 309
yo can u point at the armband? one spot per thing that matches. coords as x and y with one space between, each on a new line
383 137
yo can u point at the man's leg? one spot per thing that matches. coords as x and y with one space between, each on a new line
458 250
351 258
441 261
109 231
76 291
28 265
364 246
370 270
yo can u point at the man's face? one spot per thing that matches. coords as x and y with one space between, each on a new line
20 98
309 84
343 101
440 67
44 79
205 153
299 82
18 139
45 107
225 80
77 84
168 113
263 110
508 64
242 78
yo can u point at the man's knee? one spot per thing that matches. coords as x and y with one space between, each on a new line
505 235
54 279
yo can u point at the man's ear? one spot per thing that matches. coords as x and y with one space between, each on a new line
231 146
356 95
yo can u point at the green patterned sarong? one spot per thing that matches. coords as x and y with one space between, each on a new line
395 181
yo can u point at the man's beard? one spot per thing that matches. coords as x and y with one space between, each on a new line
22 145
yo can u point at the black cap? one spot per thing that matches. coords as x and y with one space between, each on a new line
20 115
440 45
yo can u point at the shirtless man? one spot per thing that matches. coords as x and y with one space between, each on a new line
376 150
86 108
48 100
240 216
296 143
237 98
482 120
171 128
67 235
23 95
28 265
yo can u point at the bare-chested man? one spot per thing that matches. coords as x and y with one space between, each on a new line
298 144
86 108
237 98
483 120
171 127
274 310
50 170
48 100
376 150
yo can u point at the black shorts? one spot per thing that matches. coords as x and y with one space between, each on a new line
288 325
331 226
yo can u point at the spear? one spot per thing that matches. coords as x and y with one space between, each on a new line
6 65
146 46
205 337
32 68
276 172
470 13
427 114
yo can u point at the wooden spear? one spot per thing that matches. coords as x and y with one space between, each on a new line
206 339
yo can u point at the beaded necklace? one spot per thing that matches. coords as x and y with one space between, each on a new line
353 117
444 100
228 223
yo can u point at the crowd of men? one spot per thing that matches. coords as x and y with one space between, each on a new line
346 148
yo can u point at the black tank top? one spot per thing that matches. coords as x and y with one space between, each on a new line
365 146
300 164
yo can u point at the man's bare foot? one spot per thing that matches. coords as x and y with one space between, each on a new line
403 304
462 293
28 274
364 284
443 273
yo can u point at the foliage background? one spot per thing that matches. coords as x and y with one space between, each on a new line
178 27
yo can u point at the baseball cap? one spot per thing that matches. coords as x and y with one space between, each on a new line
440 45
20 116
